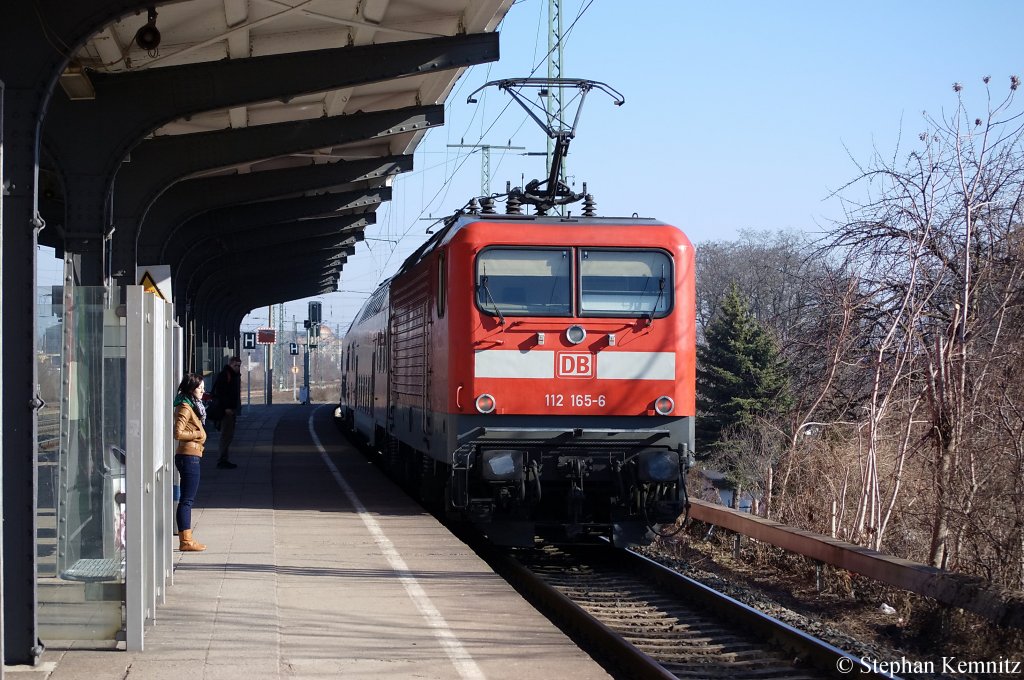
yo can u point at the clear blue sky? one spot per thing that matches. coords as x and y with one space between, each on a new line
738 115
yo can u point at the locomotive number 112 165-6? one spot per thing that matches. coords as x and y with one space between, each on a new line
574 400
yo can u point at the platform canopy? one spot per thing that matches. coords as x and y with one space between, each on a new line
246 143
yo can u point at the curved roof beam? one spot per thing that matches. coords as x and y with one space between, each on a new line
257 241
91 137
253 264
161 161
196 234
221 292
191 197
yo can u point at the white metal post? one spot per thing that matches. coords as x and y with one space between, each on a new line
134 472
150 422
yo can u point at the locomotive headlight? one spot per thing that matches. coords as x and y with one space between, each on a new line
658 466
502 465
575 334
664 405
485 403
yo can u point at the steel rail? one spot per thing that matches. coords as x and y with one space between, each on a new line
624 656
571 615
817 652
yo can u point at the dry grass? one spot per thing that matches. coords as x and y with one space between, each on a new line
920 628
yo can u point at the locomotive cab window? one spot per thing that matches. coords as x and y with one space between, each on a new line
625 283
524 282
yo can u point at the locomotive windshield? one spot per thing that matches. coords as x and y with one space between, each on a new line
524 282
621 283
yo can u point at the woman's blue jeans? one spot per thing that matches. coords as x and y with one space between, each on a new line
188 471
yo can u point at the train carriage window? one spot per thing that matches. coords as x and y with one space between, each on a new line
625 283
524 282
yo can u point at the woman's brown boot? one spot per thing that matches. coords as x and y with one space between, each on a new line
187 544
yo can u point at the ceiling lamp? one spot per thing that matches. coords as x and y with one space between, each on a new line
148 37
76 83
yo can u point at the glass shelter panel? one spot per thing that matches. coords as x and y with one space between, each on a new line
106 373
625 283
81 466
524 282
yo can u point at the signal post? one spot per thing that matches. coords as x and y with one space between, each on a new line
312 325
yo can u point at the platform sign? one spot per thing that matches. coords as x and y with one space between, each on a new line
249 341
293 348
155 279
266 336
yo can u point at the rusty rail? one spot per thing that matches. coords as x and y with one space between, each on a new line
1001 606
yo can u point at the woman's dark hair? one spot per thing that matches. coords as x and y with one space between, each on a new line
189 384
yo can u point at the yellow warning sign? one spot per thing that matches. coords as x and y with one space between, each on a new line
149 285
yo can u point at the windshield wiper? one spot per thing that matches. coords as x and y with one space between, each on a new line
661 293
487 292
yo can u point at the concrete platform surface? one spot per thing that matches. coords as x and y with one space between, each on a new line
319 567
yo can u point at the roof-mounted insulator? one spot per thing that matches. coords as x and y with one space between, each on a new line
474 207
589 206
513 206
488 205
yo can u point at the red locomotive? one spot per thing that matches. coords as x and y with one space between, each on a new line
534 372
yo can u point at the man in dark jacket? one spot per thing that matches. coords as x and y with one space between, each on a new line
227 391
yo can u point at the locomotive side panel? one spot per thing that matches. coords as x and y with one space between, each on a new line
442 310
410 356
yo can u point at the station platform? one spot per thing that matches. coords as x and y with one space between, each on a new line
318 566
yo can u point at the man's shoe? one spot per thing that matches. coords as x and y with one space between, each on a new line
226 465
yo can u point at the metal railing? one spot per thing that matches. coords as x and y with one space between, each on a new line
1003 607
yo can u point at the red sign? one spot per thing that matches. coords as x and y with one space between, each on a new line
266 336
575 365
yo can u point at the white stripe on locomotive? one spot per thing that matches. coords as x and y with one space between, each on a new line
541 364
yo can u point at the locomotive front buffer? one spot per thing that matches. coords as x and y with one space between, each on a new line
571 484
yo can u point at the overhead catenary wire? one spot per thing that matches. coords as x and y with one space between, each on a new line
463 157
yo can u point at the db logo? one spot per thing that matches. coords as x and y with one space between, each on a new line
574 365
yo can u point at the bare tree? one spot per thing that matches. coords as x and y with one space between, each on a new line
937 249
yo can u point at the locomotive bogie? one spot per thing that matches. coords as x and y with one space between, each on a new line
537 373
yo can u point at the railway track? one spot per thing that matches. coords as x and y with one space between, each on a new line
644 620
651 622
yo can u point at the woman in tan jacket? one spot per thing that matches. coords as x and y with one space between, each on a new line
189 417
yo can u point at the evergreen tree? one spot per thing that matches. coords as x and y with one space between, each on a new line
740 374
